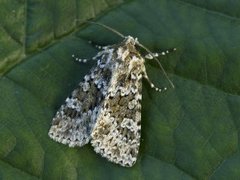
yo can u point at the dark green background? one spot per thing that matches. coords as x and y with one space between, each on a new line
190 132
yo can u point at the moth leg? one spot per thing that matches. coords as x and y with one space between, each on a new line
86 60
97 46
151 83
79 59
163 53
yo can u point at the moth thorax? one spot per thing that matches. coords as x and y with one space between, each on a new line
136 63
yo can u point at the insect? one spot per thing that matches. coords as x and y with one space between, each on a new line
105 108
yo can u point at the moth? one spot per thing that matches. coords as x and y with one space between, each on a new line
105 108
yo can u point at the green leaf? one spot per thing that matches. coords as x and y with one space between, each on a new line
190 132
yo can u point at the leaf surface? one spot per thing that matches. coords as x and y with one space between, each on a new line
190 132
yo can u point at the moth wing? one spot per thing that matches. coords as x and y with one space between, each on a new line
116 135
74 121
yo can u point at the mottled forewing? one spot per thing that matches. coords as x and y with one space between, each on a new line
116 135
74 121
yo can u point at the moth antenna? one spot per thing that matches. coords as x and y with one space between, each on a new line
146 49
160 65
108 28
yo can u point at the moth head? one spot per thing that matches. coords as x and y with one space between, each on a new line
131 44
131 40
